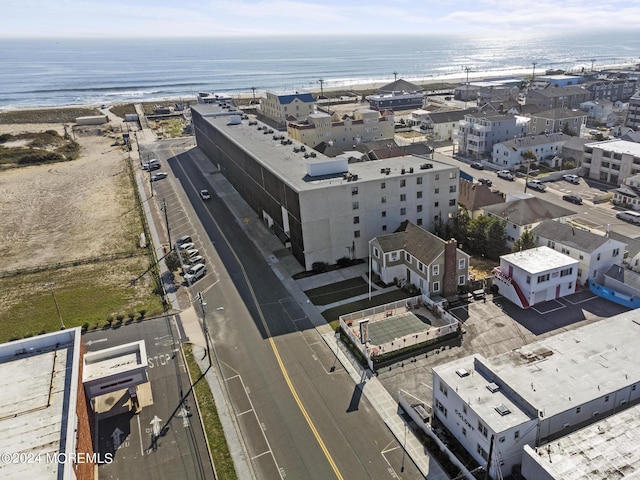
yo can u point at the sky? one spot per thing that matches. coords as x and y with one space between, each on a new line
212 18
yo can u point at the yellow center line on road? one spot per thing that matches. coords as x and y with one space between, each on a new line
274 348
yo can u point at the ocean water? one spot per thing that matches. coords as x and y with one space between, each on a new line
62 72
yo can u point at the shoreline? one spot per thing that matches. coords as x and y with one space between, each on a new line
359 86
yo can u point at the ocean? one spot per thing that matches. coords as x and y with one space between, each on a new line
65 72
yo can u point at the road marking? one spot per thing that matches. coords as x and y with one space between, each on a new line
91 342
155 423
246 411
140 435
115 436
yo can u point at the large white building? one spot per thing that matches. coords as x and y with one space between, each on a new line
279 107
612 161
536 275
323 208
510 154
365 125
539 393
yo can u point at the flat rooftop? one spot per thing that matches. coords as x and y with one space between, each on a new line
572 368
38 381
607 449
540 259
291 167
107 362
472 387
617 146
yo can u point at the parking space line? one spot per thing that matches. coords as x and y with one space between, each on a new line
261 454
246 411
140 435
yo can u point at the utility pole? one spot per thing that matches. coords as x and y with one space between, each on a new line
533 75
466 97
254 94
50 286
395 76
166 221
592 60
486 472
321 81
205 330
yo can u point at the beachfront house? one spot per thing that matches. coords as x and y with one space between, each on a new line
558 97
279 107
563 120
510 154
478 133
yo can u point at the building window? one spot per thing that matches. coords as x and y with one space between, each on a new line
578 409
356 220
419 194
376 252
461 280
482 452
383 185
436 287
436 190
606 398
394 256
354 190
616 252
435 269
598 258
419 222
403 183
482 428
384 228
462 264
543 278
384 213
421 266
383 200
464 409
419 181
418 208
407 257
403 197
443 388
566 271
452 189
403 211
453 175
529 279
437 177
436 204
516 435
356 205
452 202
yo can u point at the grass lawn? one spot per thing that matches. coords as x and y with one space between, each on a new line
337 291
220 454
84 294
332 314
47 115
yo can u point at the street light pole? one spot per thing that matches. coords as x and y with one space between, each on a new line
50 286
370 268
205 330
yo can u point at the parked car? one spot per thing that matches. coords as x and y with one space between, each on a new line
204 194
485 181
152 164
506 174
573 199
477 166
183 239
629 216
192 252
571 178
536 185
187 246
158 176
196 260
195 272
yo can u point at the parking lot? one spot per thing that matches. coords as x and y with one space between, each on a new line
494 327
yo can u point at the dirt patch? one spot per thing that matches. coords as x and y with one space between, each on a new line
69 210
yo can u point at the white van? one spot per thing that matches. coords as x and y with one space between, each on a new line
629 216
195 272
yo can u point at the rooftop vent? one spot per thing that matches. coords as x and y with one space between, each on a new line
493 388
462 372
503 410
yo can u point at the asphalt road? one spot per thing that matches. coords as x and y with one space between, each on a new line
180 451
300 415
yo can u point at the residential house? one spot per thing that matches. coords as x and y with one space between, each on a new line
611 161
632 253
411 255
525 214
562 120
534 276
573 150
477 134
281 107
475 196
442 124
595 253
510 154
365 125
614 90
633 113
600 111
622 281
558 97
